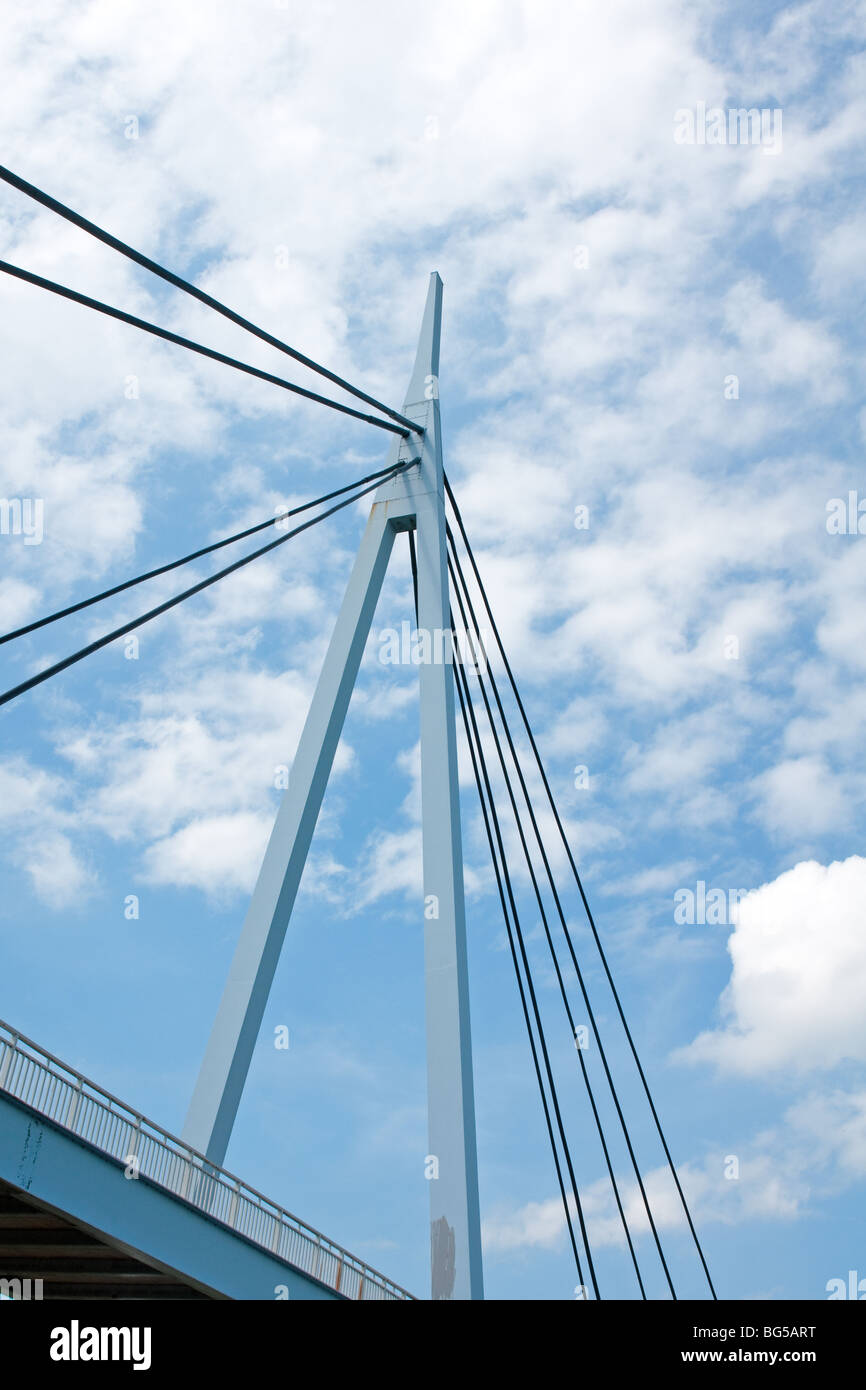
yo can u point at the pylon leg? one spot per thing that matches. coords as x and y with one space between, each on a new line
455 1228
221 1080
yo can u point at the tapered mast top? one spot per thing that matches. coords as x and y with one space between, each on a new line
427 356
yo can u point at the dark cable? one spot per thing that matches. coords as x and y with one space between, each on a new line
195 555
462 685
535 1008
413 561
577 878
47 201
215 356
179 598
461 676
544 921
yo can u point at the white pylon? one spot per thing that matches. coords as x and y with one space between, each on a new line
413 500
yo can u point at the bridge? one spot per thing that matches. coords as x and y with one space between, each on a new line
99 1200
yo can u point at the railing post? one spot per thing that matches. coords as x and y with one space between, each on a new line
185 1181
134 1141
8 1053
233 1205
72 1107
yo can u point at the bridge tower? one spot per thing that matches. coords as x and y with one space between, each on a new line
413 501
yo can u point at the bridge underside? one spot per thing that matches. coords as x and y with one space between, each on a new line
72 1262
69 1216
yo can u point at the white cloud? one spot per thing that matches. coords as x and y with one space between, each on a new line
839 262
38 827
794 1003
60 878
393 865
662 878
801 796
218 854
18 602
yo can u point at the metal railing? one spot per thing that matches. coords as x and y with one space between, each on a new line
68 1099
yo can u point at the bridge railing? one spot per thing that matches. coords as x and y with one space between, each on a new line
64 1096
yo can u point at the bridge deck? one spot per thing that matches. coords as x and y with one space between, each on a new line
73 1151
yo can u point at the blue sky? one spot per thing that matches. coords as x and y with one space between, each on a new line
700 647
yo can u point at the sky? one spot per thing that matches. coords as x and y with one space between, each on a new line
652 402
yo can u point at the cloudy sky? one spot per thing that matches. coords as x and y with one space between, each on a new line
665 332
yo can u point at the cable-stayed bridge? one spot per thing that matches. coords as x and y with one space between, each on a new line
185 1227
